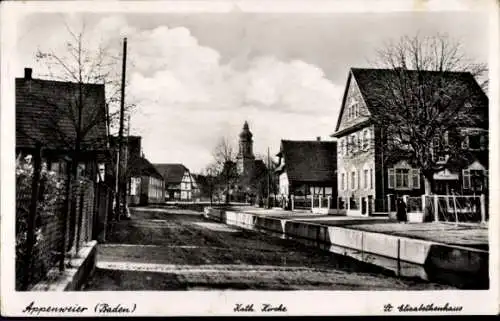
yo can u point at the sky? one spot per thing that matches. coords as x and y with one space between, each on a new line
197 77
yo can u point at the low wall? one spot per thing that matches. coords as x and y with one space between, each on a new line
404 256
75 275
324 210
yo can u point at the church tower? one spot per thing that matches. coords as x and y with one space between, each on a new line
245 159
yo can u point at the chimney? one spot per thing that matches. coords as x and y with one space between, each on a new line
27 73
318 139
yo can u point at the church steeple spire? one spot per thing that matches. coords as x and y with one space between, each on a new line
245 157
246 134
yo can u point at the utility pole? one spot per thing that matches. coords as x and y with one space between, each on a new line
268 178
125 160
120 131
126 174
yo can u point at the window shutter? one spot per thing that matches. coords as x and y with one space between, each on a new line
466 178
415 178
391 178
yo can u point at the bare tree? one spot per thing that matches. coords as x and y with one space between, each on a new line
424 100
267 178
225 165
82 69
209 182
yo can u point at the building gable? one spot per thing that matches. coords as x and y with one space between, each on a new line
354 110
186 178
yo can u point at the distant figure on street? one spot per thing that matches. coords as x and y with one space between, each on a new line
401 211
126 211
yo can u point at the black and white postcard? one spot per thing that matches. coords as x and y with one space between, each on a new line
249 158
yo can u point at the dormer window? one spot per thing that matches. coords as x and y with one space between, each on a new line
474 139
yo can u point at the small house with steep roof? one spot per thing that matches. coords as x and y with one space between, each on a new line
180 184
307 168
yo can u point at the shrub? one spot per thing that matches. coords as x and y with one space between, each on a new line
50 191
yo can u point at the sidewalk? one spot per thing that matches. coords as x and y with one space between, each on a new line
466 235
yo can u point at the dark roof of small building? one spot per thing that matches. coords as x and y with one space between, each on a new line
309 161
371 80
141 166
172 173
46 113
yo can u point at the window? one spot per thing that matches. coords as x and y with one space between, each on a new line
354 141
353 180
55 167
466 178
342 181
371 178
365 179
474 179
465 142
366 138
415 178
435 147
474 142
81 170
483 141
404 178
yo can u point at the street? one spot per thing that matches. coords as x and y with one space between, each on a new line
174 249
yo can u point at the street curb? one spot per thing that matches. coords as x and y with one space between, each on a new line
405 256
73 278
